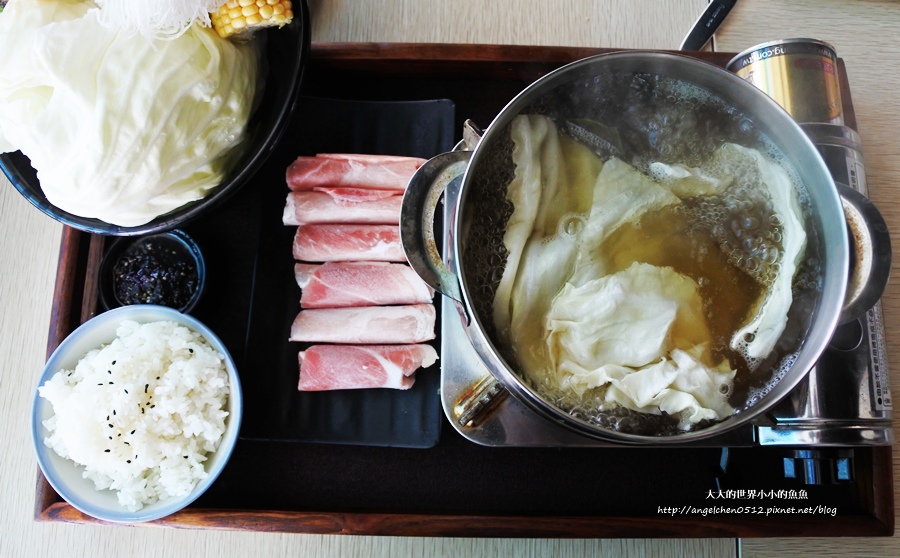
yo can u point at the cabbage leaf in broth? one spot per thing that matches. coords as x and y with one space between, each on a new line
633 337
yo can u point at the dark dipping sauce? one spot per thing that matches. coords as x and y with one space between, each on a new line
159 270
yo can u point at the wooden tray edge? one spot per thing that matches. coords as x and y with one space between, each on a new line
478 52
377 524
80 252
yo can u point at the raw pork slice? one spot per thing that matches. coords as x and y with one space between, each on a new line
380 172
377 325
342 284
346 242
327 367
343 205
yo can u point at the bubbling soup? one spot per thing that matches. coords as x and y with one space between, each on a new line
639 254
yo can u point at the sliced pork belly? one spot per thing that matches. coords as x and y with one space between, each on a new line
343 205
328 367
380 172
378 325
348 242
343 284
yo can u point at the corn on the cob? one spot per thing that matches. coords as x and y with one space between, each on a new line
243 17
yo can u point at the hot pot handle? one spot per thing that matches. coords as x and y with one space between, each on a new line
870 247
417 220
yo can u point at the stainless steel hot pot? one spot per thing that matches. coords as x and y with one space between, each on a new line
826 222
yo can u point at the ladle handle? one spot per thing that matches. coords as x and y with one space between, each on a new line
417 220
870 248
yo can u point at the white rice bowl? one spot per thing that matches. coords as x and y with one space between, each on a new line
136 413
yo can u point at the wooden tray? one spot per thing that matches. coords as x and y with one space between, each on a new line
458 488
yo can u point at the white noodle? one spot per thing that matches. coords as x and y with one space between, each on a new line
156 19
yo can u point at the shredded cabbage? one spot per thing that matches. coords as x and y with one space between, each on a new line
158 19
120 128
631 318
758 337
553 181
576 322
640 333
621 195
525 194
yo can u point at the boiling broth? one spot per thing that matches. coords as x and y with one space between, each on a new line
666 121
669 238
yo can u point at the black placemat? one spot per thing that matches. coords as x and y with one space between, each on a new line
274 408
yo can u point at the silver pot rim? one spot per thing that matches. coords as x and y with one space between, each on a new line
783 131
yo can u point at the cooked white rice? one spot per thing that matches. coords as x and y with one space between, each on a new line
141 413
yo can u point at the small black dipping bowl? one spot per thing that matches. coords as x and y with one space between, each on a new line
165 268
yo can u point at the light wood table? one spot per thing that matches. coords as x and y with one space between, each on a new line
864 34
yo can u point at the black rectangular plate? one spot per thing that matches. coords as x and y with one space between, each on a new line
273 407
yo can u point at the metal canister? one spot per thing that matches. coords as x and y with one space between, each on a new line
841 149
800 74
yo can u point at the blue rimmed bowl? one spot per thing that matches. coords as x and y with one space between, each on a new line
66 477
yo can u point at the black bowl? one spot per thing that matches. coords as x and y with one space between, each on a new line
284 56
176 242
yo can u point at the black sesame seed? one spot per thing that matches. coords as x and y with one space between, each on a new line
126 391
142 410
110 437
109 371
114 363
132 431
110 383
99 384
114 412
185 457
110 426
127 444
107 417
127 461
145 387
151 406
105 451
191 351
157 377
